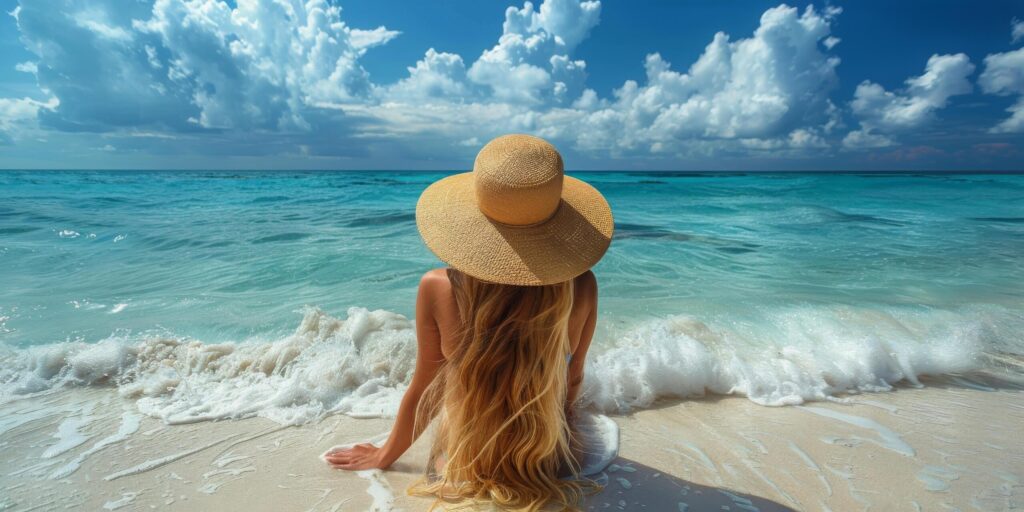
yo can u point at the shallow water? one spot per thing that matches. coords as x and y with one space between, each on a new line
781 287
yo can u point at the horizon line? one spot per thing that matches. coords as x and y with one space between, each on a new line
651 171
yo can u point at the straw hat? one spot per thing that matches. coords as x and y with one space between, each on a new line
516 219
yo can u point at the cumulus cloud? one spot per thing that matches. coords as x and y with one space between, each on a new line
438 75
26 67
882 112
864 139
197 64
769 90
772 85
1016 30
530 63
19 116
285 77
1004 76
256 68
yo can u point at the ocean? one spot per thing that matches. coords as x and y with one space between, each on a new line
289 295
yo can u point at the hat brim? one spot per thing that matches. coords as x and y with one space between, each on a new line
556 250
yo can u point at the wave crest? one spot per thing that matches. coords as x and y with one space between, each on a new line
360 366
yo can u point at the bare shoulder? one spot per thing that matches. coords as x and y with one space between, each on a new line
434 282
586 287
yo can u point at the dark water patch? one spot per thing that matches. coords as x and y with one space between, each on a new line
1007 220
97 180
218 176
652 182
18 230
735 250
371 181
111 200
690 174
414 183
892 174
282 237
385 277
973 181
381 220
40 217
162 243
173 244
625 231
824 214
386 181
220 243
269 199
65 222
871 219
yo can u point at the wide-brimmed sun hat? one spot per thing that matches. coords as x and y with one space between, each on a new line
516 218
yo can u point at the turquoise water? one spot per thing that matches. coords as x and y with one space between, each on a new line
835 282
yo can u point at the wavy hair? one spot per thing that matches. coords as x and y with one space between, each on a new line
500 400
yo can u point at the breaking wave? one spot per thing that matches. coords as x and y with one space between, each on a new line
360 365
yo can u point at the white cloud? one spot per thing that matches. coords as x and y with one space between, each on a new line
103 30
1004 76
531 64
864 139
365 39
569 20
200 64
762 87
242 73
437 75
883 112
26 67
1016 30
766 91
291 67
18 117
261 63
806 138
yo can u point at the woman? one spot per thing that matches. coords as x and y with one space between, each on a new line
503 333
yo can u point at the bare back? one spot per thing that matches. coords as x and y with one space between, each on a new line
582 319
446 311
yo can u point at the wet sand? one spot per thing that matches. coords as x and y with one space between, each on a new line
954 444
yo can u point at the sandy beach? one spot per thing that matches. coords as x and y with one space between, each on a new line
952 445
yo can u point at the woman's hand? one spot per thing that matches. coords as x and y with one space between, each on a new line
358 457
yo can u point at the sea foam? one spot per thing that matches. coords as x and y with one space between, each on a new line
360 366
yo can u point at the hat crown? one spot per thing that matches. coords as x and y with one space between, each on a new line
518 180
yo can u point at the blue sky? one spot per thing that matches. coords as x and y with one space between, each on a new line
389 84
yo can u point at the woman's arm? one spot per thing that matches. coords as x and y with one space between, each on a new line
588 285
428 362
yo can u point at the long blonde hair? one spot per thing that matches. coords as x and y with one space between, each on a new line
500 399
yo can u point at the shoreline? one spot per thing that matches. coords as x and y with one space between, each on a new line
949 444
